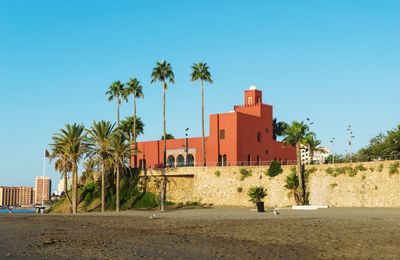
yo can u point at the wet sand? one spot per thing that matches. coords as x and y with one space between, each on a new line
232 233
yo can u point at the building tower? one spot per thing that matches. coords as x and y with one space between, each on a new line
42 189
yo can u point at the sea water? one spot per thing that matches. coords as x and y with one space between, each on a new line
18 211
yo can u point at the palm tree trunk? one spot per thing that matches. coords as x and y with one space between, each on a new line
203 143
66 187
134 131
118 112
117 189
300 172
162 197
74 189
103 195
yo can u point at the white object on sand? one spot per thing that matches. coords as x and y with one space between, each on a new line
276 212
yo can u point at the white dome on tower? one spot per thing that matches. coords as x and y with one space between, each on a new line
252 87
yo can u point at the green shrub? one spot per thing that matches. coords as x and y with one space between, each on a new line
192 203
147 200
274 169
380 167
341 170
333 185
292 184
239 189
292 181
361 168
217 173
371 169
330 171
351 171
394 168
244 173
256 194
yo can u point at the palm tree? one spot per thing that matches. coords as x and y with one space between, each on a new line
201 72
168 136
89 172
120 151
74 146
136 90
100 135
295 135
126 128
313 145
163 72
61 165
278 128
292 184
115 92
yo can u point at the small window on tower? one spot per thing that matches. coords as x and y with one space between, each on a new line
249 101
266 151
266 130
222 134
259 137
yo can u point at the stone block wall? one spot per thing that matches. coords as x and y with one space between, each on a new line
371 187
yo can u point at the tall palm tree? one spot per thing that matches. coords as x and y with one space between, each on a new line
120 151
134 88
127 125
295 135
115 92
100 135
201 72
61 165
74 145
163 72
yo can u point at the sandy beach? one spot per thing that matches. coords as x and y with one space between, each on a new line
232 233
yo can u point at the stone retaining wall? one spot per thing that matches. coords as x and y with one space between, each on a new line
370 187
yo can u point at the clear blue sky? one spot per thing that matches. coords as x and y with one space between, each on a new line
337 62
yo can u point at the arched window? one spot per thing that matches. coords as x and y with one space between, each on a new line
249 159
258 160
189 160
180 161
224 161
219 160
171 161
249 101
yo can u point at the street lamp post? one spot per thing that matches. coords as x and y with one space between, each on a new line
351 136
332 141
186 145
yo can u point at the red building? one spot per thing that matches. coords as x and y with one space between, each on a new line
240 137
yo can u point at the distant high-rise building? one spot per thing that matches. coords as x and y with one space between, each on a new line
60 186
16 196
25 196
42 189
